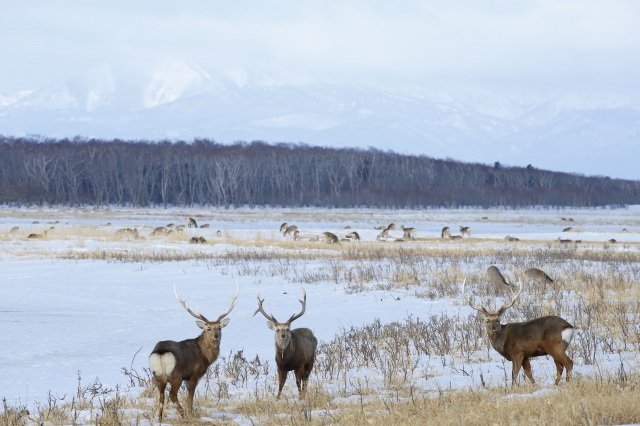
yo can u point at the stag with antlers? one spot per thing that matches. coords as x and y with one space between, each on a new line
174 362
519 341
295 349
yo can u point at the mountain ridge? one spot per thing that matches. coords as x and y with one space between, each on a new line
593 134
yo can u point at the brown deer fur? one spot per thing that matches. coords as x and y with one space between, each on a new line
295 349
188 360
496 277
519 341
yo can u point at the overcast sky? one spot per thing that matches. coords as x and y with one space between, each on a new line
532 45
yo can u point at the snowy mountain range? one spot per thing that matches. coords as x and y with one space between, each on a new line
587 133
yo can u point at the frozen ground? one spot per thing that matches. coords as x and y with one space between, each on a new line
63 317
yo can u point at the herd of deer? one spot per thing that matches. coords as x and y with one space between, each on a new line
188 360
294 232
446 233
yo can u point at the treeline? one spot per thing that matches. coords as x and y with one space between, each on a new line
205 173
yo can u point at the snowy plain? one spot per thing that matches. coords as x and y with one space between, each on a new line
62 316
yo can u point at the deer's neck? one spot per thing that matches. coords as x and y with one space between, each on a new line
210 348
497 341
287 350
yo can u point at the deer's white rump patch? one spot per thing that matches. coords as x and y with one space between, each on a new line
567 335
162 365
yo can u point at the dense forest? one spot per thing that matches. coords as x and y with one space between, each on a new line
205 173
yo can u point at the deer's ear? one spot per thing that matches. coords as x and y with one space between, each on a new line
224 322
200 324
271 325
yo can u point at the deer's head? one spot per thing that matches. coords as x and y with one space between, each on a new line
492 319
211 330
282 329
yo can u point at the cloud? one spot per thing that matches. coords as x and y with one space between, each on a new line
530 43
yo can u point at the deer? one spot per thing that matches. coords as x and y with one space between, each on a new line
519 341
330 238
188 360
446 232
496 277
538 276
160 230
465 230
197 240
353 235
289 230
283 227
38 236
295 349
127 233
191 223
408 232
512 239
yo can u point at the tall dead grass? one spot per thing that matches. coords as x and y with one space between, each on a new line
374 374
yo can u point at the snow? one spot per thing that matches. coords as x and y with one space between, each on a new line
62 317
592 133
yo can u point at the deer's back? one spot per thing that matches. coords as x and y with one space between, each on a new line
305 340
535 337
186 348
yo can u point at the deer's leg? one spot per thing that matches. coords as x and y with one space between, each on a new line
191 387
162 385
569 365
282 377
559 368
306 372
173 395
526 365
516 362
561 360
300 381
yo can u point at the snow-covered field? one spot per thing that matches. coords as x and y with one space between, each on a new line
64 316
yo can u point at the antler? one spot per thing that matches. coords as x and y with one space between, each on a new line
467 298
184 305
269 317
470 302
510 304
484 310
233 303
304 306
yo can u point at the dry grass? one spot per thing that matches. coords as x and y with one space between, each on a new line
370 374
581 402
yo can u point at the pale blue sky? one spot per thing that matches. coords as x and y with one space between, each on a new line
532 45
